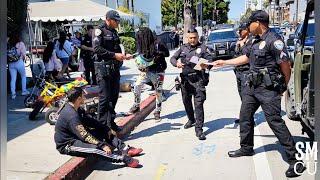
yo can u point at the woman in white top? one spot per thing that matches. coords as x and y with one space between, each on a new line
17 66
64 50
51 63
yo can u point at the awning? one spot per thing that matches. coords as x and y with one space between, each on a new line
77 10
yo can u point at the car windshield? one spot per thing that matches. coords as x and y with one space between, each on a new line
222 35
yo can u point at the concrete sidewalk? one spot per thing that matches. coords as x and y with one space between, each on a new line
31 148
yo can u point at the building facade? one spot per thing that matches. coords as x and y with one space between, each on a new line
253 4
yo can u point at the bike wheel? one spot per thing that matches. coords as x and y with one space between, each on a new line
38 105
30 100
52 116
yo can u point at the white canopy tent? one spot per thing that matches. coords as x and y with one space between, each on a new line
77 10
73 10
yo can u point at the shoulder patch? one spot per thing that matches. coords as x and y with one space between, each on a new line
97 32
262 44
278 44
198 51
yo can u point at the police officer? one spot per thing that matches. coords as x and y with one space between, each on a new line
269 73
106 44
87 55
242 47
193 82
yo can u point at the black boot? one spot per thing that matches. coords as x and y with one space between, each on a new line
201 136
189 124
240 152
157 116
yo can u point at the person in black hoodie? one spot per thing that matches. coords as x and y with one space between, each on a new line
76 134
152 65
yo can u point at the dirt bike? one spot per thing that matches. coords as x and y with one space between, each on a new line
51 95
90 105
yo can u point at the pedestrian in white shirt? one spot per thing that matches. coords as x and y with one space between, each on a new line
64 50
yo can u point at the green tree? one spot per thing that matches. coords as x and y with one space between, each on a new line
168 11
246 15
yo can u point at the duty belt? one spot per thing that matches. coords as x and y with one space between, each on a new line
265 78
107 65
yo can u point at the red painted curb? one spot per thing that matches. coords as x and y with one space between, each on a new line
143 106
79 168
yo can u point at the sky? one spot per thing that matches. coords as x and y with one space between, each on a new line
236 8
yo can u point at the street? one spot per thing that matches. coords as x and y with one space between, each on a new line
171 152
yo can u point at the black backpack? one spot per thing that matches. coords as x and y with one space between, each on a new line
12 54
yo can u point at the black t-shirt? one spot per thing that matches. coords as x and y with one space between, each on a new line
160 64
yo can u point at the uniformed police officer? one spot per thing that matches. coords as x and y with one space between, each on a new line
242 47
106 43
269 73
193 82
87 55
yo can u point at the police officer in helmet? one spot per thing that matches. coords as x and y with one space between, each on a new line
193 81
269 73
106 43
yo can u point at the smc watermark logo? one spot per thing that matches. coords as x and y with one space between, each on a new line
307 152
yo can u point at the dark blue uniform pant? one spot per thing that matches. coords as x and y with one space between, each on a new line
197 114
108 97
240 83
89 68
270 102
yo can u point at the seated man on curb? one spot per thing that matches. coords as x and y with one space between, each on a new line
77 135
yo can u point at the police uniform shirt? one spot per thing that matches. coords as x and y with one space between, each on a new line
243 51
106 42
87 41
267 51
186 52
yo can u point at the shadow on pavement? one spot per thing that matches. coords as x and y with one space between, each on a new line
278 147
106 165
175 115
18 119
161 128
218 124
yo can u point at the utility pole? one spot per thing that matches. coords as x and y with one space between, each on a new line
200 13
297 11
132 11
117 3
175 15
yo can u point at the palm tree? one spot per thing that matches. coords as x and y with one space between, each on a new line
188 17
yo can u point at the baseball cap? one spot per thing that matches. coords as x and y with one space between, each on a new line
259 15
112 14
